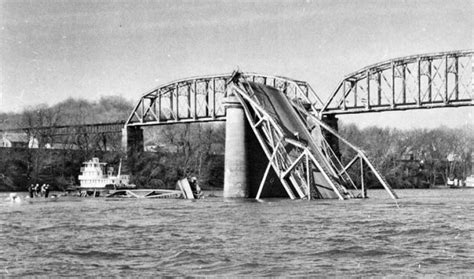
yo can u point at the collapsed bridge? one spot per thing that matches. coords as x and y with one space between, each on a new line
291 137
281 138
274 137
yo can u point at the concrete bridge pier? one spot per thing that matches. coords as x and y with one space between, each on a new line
132 143
132 139
236 171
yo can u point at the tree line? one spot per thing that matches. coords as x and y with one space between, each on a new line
407 158
415 158
71 111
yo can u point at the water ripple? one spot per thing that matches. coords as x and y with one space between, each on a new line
429 235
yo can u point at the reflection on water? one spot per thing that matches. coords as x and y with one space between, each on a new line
431 233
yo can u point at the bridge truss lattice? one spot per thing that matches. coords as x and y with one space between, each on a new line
442 79
200 99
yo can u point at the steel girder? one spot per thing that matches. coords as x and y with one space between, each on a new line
442 79
200 99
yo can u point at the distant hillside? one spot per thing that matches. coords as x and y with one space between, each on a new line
70 112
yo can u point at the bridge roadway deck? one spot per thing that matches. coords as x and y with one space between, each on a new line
278 106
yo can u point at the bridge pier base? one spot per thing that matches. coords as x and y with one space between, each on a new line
132 143
235 172
332 121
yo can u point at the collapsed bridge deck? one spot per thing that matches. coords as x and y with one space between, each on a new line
290 135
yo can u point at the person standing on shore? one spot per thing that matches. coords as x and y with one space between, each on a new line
37 190
43 190
30 190
46 190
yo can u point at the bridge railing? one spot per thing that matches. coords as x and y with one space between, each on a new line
200 99
421 81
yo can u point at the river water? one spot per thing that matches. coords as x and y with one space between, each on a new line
429 233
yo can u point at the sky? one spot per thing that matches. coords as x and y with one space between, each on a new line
51 50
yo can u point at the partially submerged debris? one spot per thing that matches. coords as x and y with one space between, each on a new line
186 191
146 194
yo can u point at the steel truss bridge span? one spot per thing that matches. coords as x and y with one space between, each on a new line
65 130
442 79
201 99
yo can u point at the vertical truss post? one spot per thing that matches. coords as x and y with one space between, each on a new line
429 80
354 85
153 106
393 86
142 110
172 107
404 84
189 112
379 88
446 93
225 90
456 78
418 81
213 98
176 103
368 90
207 99
194 98
159 107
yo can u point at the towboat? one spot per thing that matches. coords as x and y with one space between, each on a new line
96 178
